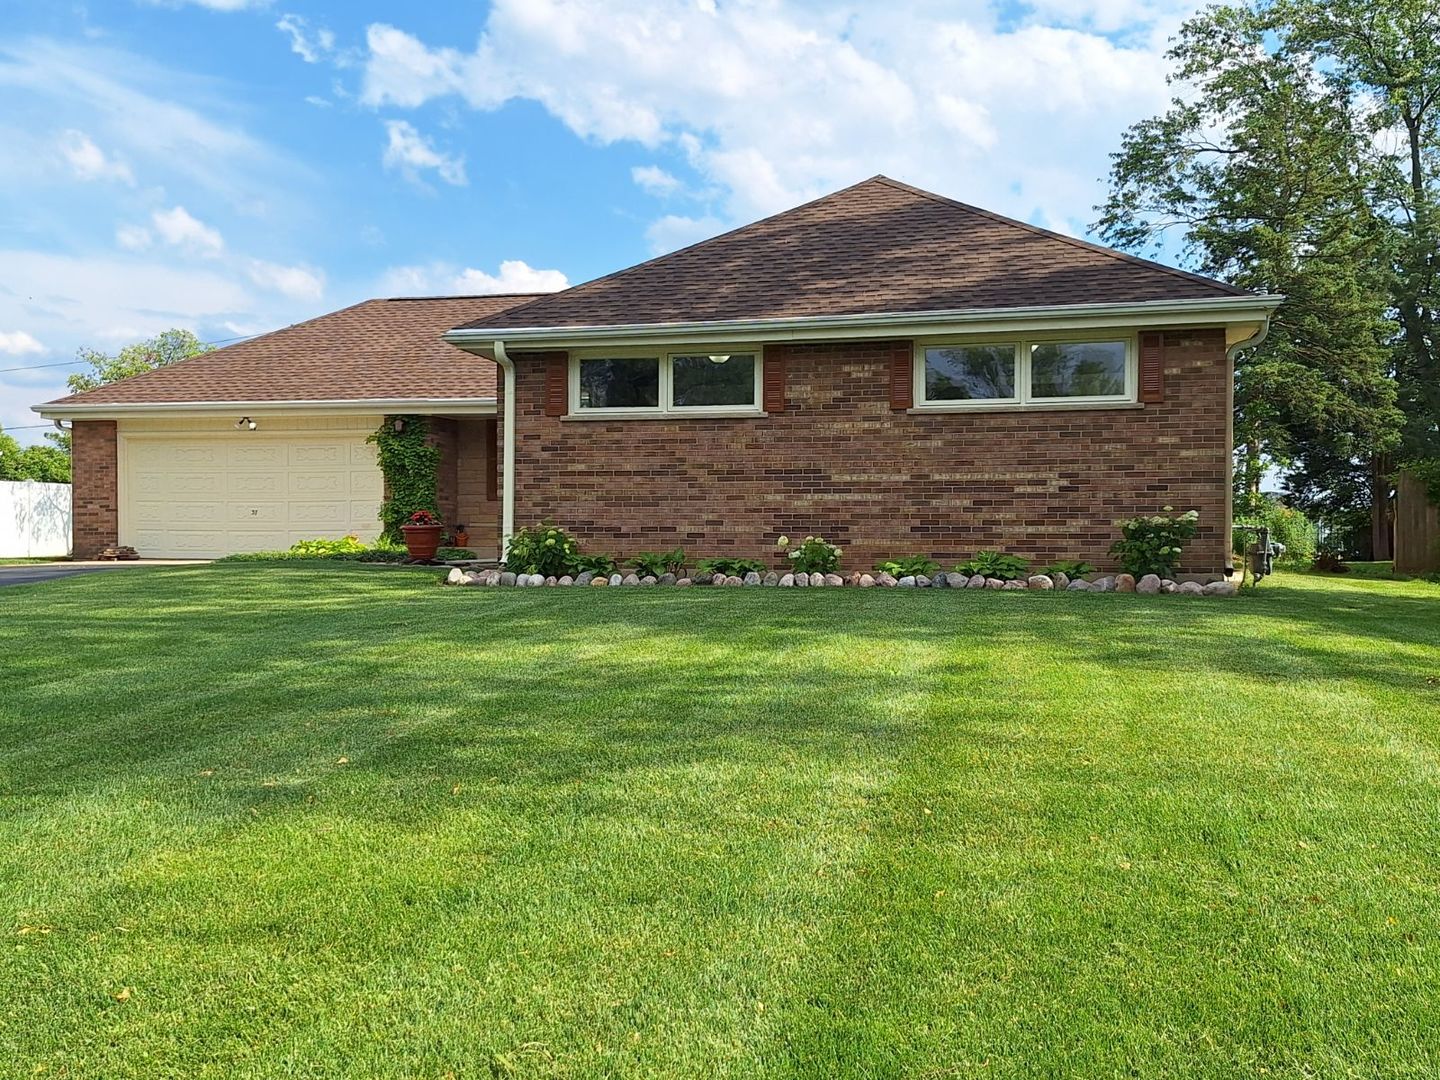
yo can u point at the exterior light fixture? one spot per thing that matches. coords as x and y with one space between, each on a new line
245 422
720 359
398 425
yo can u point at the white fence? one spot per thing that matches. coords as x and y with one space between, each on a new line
34 519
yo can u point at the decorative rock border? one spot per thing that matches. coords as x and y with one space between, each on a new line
1150 584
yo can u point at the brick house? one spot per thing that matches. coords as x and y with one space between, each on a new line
899 372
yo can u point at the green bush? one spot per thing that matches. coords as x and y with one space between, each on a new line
730 567
1071 568
1153 545
346 550
454 554
542 549
1287 525
655 563
327 549
914 566
595 564
995 564
813 555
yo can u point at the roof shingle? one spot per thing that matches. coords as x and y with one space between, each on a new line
878 247
376 350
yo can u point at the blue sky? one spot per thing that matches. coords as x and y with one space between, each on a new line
232 166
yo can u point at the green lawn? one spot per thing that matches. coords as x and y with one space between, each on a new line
263 821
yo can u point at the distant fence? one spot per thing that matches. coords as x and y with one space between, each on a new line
1417 527
34 519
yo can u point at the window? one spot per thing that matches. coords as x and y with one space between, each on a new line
694 382
1025 372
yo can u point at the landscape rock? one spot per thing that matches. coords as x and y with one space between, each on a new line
834 580
887 580
1016 584
923 582
507 578
994 583
455 577
906 582
598 582
734 580
866 581
787 581
854 578
565 579
1061 580
683 583
752 578
703 578
1221 588
817 579
616 579
630 579
586 576
1191 588
770 580
1104 584
668 579
649 579
552 580
1079 585
1149 585
1168 586
802 580
977 581
1124 583
1040 581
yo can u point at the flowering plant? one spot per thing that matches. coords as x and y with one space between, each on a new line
813 555
423 517
1152 545
542 549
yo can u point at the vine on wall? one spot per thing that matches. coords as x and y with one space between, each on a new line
410 466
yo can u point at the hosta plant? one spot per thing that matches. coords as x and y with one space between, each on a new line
914 566
995 564
730 567
1071 568
653 563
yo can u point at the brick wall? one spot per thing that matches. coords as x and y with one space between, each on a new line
476 488
840 463
445 437
96 523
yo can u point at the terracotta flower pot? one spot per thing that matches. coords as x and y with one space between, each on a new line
462 538
422 541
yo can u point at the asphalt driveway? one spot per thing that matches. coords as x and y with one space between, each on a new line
30 573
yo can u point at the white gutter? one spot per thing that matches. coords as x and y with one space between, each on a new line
103 411
507 454
1224 309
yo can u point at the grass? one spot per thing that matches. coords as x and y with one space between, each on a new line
324 821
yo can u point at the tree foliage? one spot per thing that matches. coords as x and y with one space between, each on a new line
1262 171
48 464
165 348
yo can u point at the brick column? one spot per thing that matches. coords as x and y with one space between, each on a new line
94 494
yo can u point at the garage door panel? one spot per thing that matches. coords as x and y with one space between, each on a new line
202 496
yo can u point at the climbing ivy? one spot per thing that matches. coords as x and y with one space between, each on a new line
410 465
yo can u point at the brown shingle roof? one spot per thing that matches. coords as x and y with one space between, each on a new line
376 350
880 246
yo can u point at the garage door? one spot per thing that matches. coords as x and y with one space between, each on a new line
201 494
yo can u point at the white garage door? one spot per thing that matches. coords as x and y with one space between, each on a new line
214 490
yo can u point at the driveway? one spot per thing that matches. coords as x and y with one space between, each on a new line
29 573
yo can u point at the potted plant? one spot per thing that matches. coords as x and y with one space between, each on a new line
422 535
462 537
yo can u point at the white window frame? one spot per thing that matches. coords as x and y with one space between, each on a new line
664 358
1024 348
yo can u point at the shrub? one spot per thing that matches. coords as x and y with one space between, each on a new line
812 556
452 554
326 549
653 564
730 567
995 564
1153 545
595 564
1071 568
542 549
410 465
1287 526
914 566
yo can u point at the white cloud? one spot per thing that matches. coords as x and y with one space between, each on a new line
441 279
296 282
89 162
676 231
133 237
310 47
19 343
772 103
179 229
410 152
654 180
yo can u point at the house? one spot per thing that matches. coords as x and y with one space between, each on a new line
900 372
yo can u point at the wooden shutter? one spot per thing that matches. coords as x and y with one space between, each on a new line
902 378
772 380
1152 367
557 384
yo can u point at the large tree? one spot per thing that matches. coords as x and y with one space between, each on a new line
48 464
1261 173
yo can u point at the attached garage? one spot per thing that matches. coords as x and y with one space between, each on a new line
196 489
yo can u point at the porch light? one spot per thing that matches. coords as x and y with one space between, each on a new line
398 425
245 422
720 359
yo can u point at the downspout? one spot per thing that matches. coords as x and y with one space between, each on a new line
1253 341
507 455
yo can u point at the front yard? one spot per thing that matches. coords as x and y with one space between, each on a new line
327 821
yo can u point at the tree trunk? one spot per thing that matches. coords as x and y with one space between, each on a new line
1381 547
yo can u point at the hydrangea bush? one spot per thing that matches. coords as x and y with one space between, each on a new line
813 555
1153 545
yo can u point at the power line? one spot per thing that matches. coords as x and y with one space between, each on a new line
76 363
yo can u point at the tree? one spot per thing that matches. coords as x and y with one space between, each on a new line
48 464
164 348
1263 170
